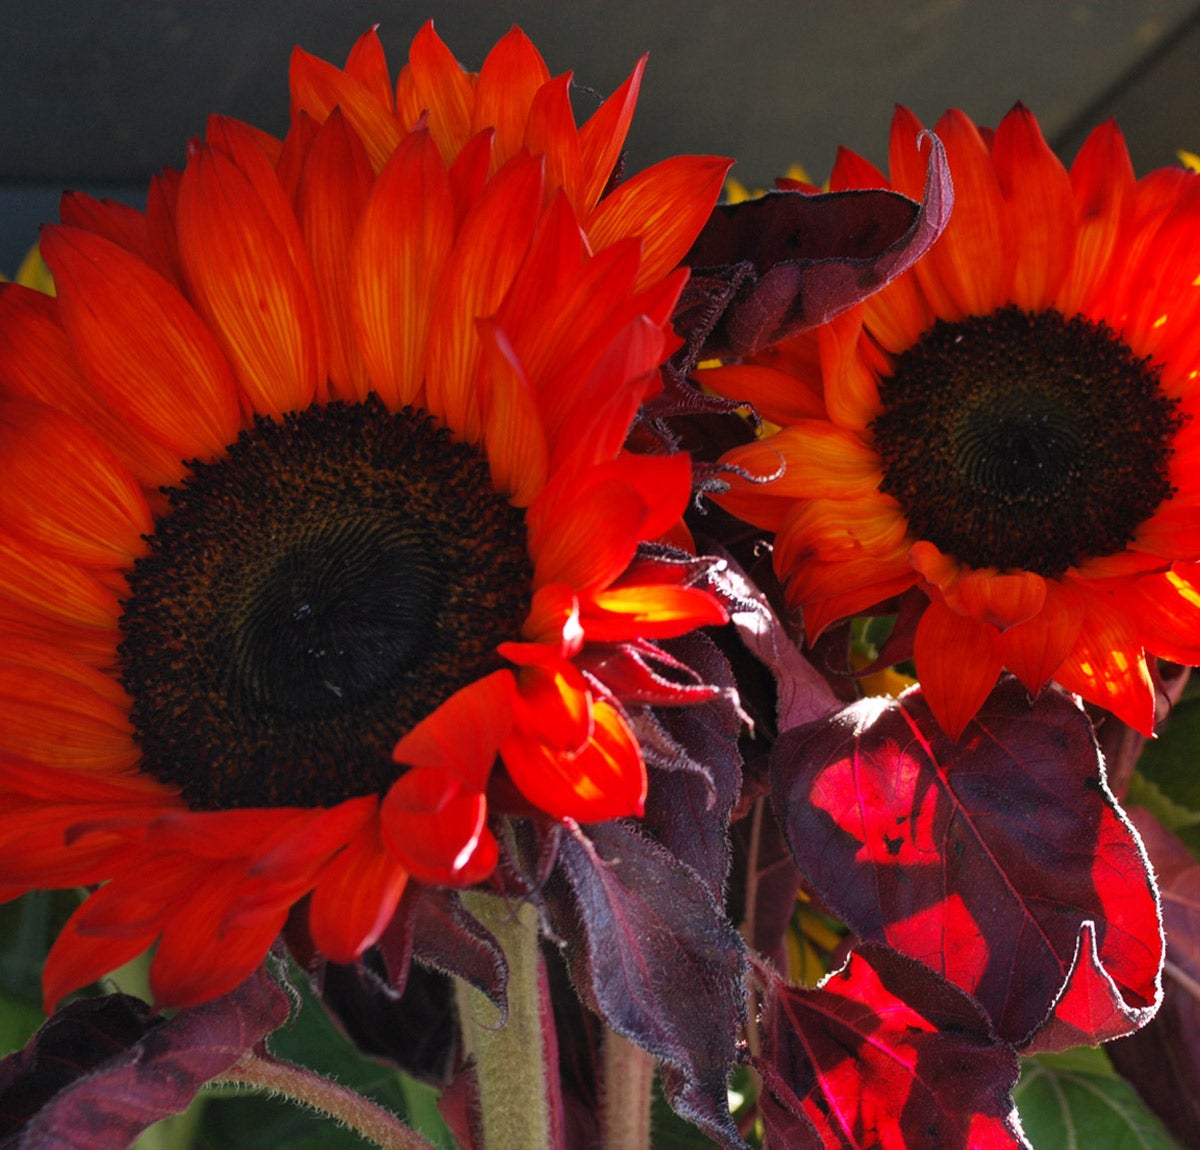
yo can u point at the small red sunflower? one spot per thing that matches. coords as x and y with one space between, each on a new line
1008 426
312 491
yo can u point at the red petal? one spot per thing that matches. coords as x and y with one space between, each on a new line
606 779
957 664
437 829
463 736
356 896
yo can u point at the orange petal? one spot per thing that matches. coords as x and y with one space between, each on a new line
334 189
510 77
652 612
1102 182
1002 600
405 236
512 426
367 64
243 259
1166 607
1108 667
664 206
490 247
119 223
606 779
850 170
957 664
778 396
142 347
603 136
1041 208
72 720
968 270
872 527
554 619
1034 650
62 488
810 459
441 88
77 960
317 88
198 957
461 738
62 591
593 429
550 131
37 362
851 386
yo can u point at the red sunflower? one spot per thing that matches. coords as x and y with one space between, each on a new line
1008 426
312 492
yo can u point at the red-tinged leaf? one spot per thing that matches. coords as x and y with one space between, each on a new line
994 860
884 1054
1163 1059
652 953
769 268
102 1070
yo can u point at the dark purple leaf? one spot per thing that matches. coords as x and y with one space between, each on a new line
772 267
1163 1059
651 951
884 1054
802 694
1000 860
102 1070
695 768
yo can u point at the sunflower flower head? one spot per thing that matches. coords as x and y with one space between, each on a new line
314 493
1007 429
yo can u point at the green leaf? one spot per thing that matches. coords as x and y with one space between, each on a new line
1076 1101
1169 761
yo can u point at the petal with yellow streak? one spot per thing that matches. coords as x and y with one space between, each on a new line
63 489
405 235
664 206
142 346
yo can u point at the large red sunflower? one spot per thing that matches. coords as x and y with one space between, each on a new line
312 491
1008 426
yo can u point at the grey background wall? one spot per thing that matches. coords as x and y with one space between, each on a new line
99 94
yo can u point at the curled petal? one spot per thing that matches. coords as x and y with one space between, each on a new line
605 779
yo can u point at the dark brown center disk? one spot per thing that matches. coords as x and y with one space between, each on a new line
311 596
1025 441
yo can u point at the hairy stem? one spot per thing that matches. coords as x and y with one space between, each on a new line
516 1057
625 1101
307 1087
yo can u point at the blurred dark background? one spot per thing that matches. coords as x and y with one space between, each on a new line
99 94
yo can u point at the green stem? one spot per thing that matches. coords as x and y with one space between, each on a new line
311 1089
625 1101
511 1057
